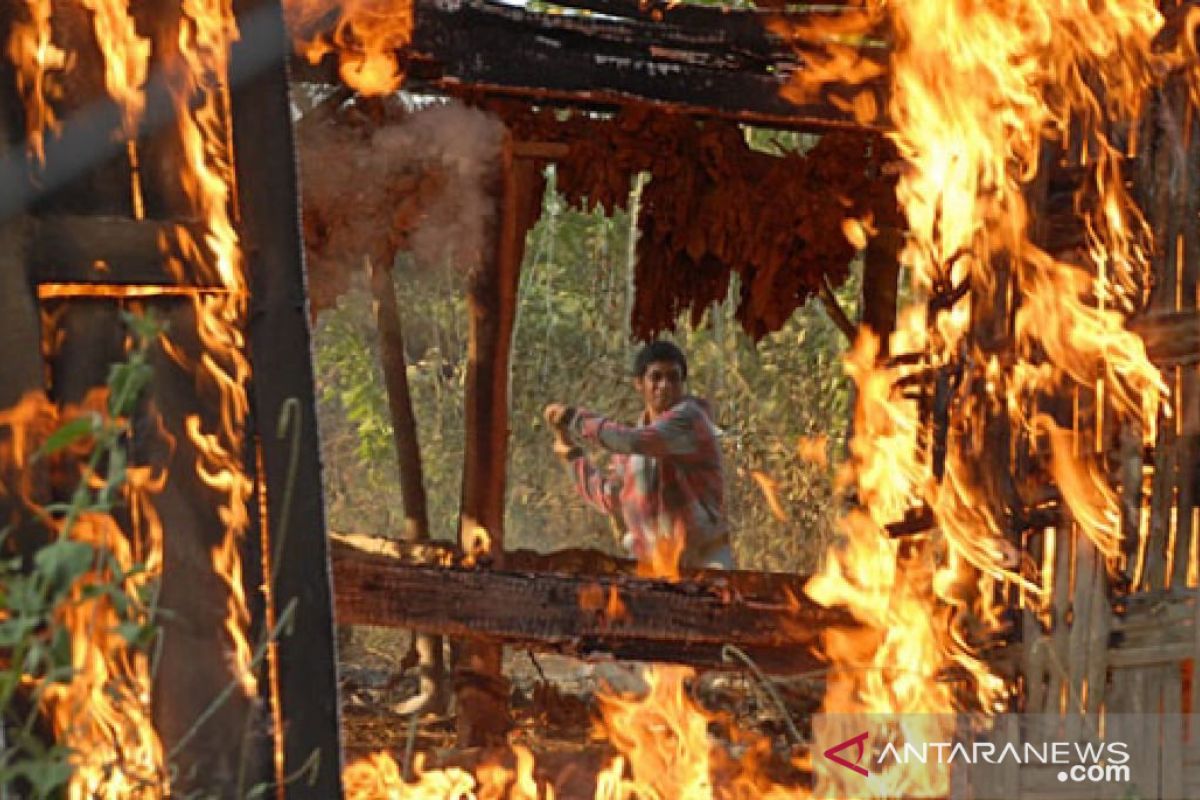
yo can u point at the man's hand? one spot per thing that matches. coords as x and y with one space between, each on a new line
564 449
557 415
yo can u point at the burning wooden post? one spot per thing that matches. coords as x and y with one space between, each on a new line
115 229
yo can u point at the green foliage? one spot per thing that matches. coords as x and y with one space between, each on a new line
572 344
35 647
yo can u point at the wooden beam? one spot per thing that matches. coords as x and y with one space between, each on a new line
703 61
687 622
106 249
292 553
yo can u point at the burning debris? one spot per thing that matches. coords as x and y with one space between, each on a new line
980 468
129 735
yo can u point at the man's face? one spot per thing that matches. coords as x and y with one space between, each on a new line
661 386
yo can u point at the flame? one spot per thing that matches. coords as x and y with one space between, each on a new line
199 93
378 777
366 37
36 57
126 63
836 54
813 449
126 58
479 545
196 75
102 713
770 490
663 738
977 89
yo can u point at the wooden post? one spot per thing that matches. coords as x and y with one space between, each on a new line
427 649
492 302
304 665
881 272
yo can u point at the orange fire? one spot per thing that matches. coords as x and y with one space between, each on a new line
196 74
366 35
102 712
770 490
207 30
37 59
378 777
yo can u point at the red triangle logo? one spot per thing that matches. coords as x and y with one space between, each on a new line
832 753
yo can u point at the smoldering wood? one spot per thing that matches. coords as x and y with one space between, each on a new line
687 622
294 544
711 62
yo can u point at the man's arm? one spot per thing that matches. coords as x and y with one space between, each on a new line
676 433
601 491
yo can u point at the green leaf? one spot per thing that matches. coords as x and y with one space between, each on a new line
63 561
45 775
15 630
125 383
70 433
137 635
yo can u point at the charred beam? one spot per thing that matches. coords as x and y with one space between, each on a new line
292 554
111 250
589 615
697 60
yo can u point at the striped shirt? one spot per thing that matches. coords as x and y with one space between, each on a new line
663 476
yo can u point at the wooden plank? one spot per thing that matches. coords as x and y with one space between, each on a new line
769 586
304 663
1161 505
1078 638
1096 672
1147 656
687 622
105 249
1171 735
1058 646
704 61
1172 337
1188 404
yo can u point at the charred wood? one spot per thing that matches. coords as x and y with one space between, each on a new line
698 60
288 550
110 250
590 615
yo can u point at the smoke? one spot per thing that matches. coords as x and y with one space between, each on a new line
462 146
425 184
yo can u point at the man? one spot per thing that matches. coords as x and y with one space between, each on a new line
665 477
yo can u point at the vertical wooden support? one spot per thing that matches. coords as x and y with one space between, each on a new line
1188 403
428 649
492 301
307 715
881 273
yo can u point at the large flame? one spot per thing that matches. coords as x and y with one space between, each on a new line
102 713
86 718
207 30
366 35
